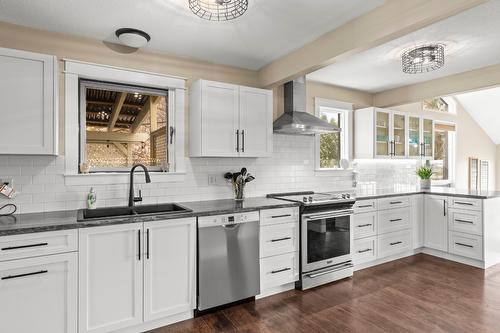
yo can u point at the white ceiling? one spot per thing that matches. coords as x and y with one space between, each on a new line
269 29
472 39
484 107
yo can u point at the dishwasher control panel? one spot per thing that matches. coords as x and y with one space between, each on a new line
215 220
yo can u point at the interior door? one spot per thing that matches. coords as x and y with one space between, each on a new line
428 138
169 267
414 137
399 132
436 222
255 122
383 147
111 273
220 119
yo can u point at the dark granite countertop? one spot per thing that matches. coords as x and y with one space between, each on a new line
62 220
362 194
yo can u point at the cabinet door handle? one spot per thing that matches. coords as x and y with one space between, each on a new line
278 216
238 141
242 141
364 225
395 243
281 270
395 220
396 202
444 207
280 239
364 206
10 248
422 149
139 244
466 245
23 275
365 250
147 243
463 203
464 221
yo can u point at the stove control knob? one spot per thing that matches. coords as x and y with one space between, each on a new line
348 196
304 199
310 199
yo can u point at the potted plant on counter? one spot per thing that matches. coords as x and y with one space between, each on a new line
425 173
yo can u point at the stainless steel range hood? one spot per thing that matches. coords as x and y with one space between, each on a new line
296 120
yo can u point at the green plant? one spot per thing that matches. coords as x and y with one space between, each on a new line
424 172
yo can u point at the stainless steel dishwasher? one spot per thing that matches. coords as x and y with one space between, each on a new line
228 259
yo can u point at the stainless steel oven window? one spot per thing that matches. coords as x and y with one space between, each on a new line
326 239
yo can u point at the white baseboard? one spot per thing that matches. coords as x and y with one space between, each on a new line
385 259
275 290
453 257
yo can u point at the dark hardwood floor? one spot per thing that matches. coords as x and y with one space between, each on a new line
415 294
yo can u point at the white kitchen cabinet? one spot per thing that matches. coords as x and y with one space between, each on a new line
28 90
380 133
169 268
39 294
436 222
420 137
417 218
110 277
228 120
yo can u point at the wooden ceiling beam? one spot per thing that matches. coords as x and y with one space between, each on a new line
117 107
150 104
93 136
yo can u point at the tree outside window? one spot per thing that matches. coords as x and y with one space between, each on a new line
330 144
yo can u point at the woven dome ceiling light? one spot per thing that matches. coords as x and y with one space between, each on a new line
218 10
423 59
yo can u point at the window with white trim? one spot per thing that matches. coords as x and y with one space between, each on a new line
331 148
443 163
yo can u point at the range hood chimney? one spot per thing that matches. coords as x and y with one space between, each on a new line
296 120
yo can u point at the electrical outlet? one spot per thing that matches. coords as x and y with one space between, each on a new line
212 179
216 180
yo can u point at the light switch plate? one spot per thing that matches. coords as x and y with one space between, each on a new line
216 179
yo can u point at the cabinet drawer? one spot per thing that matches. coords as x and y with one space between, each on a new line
394 202
363 206
465 203
466 245
365 225
394 220
365 250
468 221
393 243
279 239
38 244
279 215
278 270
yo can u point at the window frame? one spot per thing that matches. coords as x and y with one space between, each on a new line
176 86
452 152
345 110
85 84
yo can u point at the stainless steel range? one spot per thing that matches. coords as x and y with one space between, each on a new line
325 236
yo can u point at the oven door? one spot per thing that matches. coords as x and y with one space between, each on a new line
326 239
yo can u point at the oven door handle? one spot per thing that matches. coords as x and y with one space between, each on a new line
337 268
346 212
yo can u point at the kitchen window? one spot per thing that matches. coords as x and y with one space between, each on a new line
333 147
122 125
443 163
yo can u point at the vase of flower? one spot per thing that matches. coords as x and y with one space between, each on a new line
238 181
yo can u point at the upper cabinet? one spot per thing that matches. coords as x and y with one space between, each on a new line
228 120
383 133
28 90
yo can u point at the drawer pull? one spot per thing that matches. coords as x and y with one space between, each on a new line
364 225
464 203
395 220
23 246
466 245
365 206
280 239
278 216
281 270
464 221
365 250
396 243
396 202
23 275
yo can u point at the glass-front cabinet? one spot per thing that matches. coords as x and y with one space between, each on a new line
428 138
414 136
390 136
399 130
383 146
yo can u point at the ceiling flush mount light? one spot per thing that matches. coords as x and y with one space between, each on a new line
218 10
133 37
423 59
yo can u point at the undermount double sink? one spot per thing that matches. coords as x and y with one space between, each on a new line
125 211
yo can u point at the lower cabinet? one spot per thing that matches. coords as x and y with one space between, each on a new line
365 250
436 222
134 273
39 294
394 243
